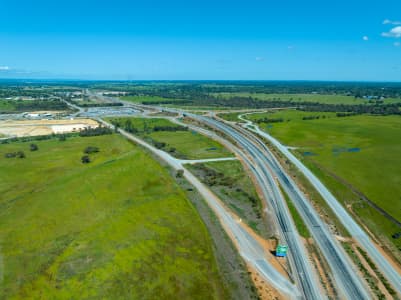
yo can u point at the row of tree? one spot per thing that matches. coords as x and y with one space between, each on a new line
128 126
106 104
101 130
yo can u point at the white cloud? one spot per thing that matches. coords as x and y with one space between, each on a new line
387 21
4 68
397 44
394 32
365 38
259 58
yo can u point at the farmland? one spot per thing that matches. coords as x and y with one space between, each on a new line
173 138
318 98
355 156
117 227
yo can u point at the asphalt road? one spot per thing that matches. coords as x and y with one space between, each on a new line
249 248
267 170
304 274
346 278
343 216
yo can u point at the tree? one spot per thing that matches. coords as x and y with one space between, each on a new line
128 125
180 173
34 147
91 149
20 154
85 159
159 145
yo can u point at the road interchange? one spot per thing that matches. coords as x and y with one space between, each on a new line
343 216
347 279
250 249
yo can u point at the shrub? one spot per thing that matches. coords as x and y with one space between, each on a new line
179 174
85 159
91 149
18 154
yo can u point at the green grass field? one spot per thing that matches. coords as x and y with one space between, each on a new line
233 117
6 106
116 228
187 144
362 151
326 99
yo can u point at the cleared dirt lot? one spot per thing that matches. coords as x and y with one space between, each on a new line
12 128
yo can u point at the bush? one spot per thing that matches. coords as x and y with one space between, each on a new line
179 174
91 149
19 154
159 145
95 131
34 147
10 155
85 159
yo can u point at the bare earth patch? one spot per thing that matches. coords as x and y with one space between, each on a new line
265 291
11 128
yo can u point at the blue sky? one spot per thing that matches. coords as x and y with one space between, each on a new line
245 40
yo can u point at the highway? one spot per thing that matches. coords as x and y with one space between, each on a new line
267 170
346 278
343 216
249 248
303 273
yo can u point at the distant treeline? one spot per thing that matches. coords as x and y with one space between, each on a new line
345 114
32 105
305 118
269 120
130 127
170 128
193 89
382 109
83 104
161 102
249 102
